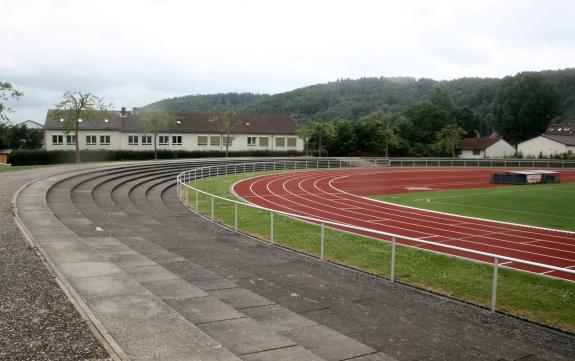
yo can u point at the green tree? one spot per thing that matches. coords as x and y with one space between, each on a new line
228 122
524 106
383 129
322 133
4 136
345 142
467 119
449 137
77 107
23 137
154 120
305 132
7 91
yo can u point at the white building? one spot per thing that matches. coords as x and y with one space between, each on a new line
492 146
121 130
559 139
30 124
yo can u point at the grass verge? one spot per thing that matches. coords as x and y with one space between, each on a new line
541 299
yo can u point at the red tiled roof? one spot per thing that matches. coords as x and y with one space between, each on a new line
564 139
191 123
561 129
477 143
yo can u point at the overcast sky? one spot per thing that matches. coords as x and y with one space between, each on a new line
132 53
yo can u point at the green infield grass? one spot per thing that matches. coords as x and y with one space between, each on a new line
541 299
543 205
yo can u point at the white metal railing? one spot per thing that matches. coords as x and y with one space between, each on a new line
184 186
458 162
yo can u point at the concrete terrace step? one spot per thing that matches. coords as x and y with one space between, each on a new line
137 289
155 267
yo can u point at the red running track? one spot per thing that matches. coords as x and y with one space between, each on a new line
338 195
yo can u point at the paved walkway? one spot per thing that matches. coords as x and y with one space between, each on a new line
162 283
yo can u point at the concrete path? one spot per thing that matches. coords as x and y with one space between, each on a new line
160 282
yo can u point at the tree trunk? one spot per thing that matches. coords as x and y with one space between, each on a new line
77 141
155 146
227 141
319 147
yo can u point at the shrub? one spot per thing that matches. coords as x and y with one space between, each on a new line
40 156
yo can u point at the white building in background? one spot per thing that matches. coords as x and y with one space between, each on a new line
492 146
559 139
30 124
121 130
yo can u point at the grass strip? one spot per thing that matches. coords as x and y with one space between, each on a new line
541 299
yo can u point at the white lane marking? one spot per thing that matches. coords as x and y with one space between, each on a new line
323 210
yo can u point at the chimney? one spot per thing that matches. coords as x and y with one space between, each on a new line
123 112
134 111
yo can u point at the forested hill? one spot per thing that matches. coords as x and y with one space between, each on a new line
354 99
210 103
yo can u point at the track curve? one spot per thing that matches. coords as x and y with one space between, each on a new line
127 223
339 196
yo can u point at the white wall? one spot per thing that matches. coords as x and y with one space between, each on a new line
541 145
468 154
499 149
115 140
119 140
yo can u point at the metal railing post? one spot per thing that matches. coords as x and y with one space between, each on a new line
494 286
392 270
322 241
236 216
272 227
212 207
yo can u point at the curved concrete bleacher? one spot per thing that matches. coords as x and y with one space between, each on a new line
160 282
100 231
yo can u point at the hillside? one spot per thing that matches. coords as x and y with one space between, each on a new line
210 103
353 99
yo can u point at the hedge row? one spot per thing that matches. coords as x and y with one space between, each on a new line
40 156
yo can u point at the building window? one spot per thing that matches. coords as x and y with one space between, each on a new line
215 140
71 139
164 140
291 142
132 140
280 142
251 141
91 140
476 151
146 139
264 142
227 140
58 139
176 140
202 140
105 139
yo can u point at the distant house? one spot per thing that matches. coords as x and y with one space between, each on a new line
492 146
30 124
4 153
558 139
121 130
